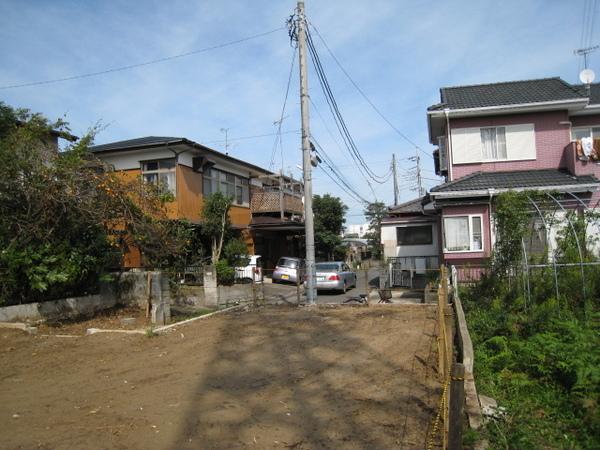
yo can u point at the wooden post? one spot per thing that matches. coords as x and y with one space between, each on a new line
457 400
441 333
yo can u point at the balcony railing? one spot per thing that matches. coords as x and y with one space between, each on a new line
275 200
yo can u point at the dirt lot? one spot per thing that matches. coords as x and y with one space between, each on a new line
301 378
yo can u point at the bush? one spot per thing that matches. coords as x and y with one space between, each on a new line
236 253
225 273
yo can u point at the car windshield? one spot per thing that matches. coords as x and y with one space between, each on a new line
288 262
327 266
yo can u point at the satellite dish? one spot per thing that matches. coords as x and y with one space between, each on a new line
587 76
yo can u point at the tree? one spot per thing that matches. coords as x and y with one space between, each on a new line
375 213
215 225
65 215
329 221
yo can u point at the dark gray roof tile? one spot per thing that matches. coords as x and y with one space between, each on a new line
410 207
594 93
514 180
507 93
138 142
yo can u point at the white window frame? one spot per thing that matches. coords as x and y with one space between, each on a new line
470 217
589 128
159 171
467 144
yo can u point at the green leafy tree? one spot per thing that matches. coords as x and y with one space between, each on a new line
65 215
215 222
329 222
375 212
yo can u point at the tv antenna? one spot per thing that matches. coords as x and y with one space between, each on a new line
584 52
227 145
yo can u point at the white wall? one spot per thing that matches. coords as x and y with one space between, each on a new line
127 160
391 248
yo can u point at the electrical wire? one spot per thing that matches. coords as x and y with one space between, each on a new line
347 186
338 118
256 136
340 123
368 100
145 63
281 117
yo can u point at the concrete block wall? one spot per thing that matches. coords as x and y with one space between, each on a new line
129 288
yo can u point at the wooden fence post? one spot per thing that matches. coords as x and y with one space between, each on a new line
442 347
457 400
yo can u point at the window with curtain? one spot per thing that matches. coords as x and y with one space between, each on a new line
493 143
161 172
585 132
463 233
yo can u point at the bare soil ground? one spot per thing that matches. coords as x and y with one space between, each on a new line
301 378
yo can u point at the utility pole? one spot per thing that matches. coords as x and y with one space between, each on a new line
419 179
309 227
395 179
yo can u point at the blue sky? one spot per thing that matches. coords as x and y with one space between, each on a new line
399 52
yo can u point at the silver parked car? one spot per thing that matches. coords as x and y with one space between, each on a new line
287 269
335 276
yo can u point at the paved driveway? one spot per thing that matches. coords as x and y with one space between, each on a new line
287 293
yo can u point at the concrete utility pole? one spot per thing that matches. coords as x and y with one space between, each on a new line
309 227
395 179
419 179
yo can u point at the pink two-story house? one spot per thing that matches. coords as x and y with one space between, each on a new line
491 138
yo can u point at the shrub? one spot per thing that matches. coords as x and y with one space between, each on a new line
225 273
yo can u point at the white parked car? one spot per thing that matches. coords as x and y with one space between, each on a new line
251 271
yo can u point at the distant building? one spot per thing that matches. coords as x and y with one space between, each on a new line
356 231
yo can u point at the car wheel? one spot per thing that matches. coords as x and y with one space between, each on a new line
344 288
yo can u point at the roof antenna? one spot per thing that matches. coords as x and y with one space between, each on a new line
586 75
227 145
584 52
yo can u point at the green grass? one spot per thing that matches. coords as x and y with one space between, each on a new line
544 368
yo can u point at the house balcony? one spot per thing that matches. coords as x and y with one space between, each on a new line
581 161
275 200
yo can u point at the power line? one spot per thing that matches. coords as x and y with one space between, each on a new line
339 120
347 186
361 92
281 117
145 63
256 136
